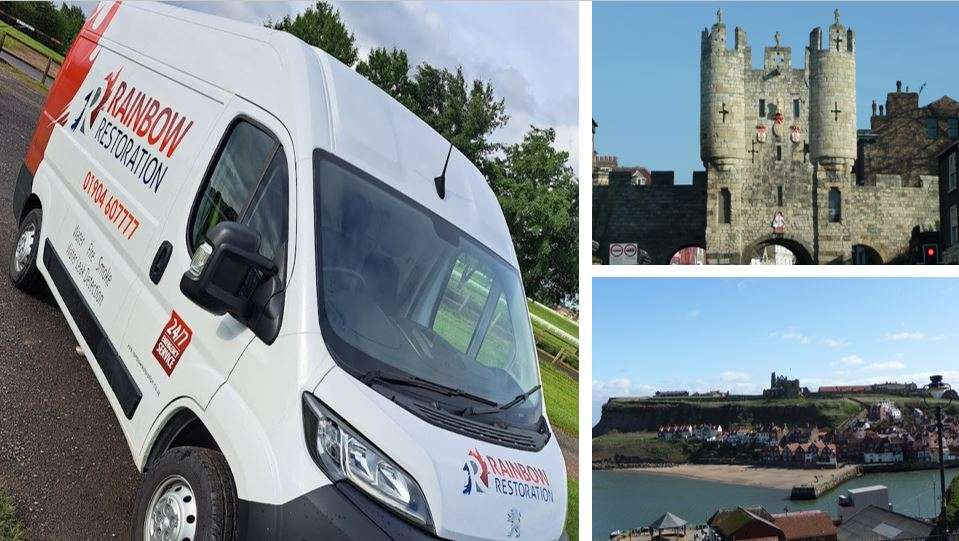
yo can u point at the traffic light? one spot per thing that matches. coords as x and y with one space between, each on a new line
930 254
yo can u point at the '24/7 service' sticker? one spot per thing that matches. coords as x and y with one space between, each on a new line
172 342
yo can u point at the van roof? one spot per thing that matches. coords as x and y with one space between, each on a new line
322 102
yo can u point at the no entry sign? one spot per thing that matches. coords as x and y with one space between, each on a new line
623 253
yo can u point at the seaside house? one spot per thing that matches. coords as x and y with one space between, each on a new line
884 453
885 410
707 432
740 437
755 524
682 432
768 434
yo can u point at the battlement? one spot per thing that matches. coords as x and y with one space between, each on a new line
927 182
714 39
841 39
605 161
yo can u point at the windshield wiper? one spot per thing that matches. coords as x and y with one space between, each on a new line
375 376
497 408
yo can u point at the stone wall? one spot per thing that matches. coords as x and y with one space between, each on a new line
660 218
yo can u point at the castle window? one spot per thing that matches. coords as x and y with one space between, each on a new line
953 226
932 128
835 205
953 125
762 108
725 207
779 195
952 171
779 153
795 108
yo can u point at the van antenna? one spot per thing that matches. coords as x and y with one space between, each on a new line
440 181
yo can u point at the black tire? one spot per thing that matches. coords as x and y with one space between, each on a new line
24 273
210 482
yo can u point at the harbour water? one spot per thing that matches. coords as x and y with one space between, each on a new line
625 499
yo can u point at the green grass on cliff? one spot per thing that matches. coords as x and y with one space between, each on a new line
826 412
641 446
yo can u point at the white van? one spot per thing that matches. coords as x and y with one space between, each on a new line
303 304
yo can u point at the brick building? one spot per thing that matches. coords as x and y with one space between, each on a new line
905 139
949 204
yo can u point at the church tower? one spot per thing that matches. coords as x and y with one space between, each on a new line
722 141
832 97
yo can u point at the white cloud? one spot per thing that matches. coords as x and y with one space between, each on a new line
603 390
612 387
886 365
733 376
905 335
833 343
792 334
852 360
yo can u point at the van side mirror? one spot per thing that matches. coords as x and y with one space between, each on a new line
226 269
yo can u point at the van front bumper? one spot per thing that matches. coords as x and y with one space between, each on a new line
337 511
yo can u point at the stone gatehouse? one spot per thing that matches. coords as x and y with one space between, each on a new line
779 145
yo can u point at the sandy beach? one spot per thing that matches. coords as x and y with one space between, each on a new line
779 478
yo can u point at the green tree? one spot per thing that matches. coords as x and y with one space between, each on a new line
539 194
389 70
71 21
320 26
466 114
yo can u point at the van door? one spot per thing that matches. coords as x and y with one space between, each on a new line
178 348
114 160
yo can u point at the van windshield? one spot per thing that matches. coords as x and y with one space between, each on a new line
406 293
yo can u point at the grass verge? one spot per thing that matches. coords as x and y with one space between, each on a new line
561 393
10 527
572 508
30 42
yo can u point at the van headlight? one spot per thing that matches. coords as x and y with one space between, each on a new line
343 454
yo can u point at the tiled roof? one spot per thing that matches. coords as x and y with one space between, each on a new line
805 524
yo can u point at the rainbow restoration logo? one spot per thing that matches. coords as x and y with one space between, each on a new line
137 129
489 474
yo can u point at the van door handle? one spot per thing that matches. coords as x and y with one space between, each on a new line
160 261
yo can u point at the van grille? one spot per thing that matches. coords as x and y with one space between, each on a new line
482 431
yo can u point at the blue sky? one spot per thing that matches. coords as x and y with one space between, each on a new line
729 334
528 50
646 64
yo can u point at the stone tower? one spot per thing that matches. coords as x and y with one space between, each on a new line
832 99
721 97
778 144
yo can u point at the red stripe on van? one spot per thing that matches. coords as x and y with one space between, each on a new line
73 72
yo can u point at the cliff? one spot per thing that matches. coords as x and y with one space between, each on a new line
647 415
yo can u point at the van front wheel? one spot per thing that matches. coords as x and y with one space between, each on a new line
187 494
23 262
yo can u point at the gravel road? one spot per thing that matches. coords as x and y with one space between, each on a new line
63 458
